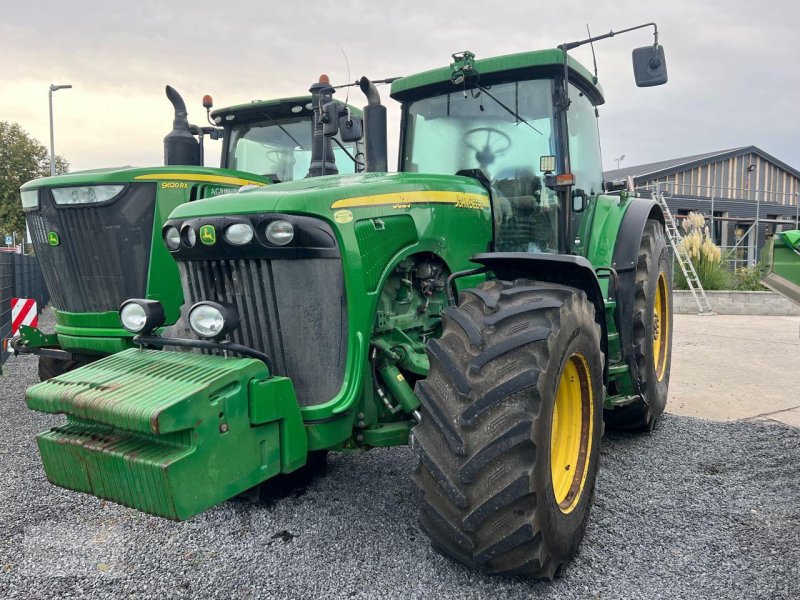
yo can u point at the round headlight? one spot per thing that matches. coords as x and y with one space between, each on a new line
189 236
172 238
213 319
133 317
206 320
141 316
239 234
280 232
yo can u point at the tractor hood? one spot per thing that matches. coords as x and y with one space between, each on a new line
131 174
325 196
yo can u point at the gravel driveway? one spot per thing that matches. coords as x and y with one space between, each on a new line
697 509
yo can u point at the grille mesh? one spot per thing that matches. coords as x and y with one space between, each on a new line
103 253
292 310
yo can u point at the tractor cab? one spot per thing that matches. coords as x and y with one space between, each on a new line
273 139
500 119
523 124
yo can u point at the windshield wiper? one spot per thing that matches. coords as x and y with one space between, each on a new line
507 109
283 129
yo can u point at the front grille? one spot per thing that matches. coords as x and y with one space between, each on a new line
103 254
293 310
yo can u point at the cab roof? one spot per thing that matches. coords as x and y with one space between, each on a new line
277 108
509 67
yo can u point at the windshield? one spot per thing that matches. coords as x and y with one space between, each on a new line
503 131
280 149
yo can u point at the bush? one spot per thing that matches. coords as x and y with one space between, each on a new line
706 257
747 279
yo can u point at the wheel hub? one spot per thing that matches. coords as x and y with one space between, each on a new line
571 433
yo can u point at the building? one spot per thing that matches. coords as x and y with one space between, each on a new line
744 193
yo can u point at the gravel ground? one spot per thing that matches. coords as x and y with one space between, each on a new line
697 509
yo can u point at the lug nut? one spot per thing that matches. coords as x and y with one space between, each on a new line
223 428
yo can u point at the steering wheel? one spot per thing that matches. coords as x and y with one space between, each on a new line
495 143
276 156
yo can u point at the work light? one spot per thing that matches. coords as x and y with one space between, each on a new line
141 316
172 237
239 234
30 198
188 236
213 320
280 232
85 194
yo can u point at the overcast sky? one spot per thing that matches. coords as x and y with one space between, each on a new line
733 65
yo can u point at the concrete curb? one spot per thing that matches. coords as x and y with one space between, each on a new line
738 303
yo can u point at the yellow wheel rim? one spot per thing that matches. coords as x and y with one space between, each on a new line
661 331
571 433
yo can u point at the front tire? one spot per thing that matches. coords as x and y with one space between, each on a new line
511 425
50 367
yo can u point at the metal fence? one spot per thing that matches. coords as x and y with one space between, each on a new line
20 277
738 219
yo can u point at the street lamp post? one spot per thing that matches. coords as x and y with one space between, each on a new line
619 159
53 88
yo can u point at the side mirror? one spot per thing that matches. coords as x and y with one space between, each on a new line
649 66
351 128
578 201
330 119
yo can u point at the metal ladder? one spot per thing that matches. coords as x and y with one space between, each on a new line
685 263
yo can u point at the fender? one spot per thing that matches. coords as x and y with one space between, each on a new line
566 269
626 255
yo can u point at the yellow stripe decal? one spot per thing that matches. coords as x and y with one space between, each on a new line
225 179
460 199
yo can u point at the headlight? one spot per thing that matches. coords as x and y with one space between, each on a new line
212 319
141 316
86 194
172 238
280 232
239 234
188 236
30 198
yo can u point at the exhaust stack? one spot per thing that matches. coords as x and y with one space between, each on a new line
180 146
375 128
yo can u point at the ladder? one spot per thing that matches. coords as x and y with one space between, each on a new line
685 263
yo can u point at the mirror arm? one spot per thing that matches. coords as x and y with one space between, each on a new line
610 34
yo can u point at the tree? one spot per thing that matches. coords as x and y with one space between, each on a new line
22 158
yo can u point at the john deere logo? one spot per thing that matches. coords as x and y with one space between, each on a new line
53 239
208 235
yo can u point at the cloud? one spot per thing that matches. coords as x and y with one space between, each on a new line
729 77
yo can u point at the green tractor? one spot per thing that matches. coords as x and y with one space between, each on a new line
97 233
488 304
780 264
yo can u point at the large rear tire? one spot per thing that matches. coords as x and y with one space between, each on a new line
511 425
652 333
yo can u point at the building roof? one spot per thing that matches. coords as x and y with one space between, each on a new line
668 167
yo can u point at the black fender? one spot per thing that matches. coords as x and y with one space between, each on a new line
566 269
626 255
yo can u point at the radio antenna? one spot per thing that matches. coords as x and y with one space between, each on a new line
591 44
347 62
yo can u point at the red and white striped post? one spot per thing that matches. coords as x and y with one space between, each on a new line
23 312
